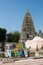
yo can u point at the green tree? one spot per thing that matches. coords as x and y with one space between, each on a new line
2 34
16 37
13 37
10 37
2 37
3 46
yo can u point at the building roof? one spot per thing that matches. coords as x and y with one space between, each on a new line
37 41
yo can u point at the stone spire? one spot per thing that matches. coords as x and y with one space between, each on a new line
27 12
27 31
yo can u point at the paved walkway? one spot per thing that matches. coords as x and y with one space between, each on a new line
25 62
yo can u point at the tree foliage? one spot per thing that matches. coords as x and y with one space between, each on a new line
16 37
2 34
13 37
9 37
2 38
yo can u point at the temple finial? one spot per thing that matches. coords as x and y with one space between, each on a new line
27 11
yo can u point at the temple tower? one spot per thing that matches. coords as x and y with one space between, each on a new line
27 31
